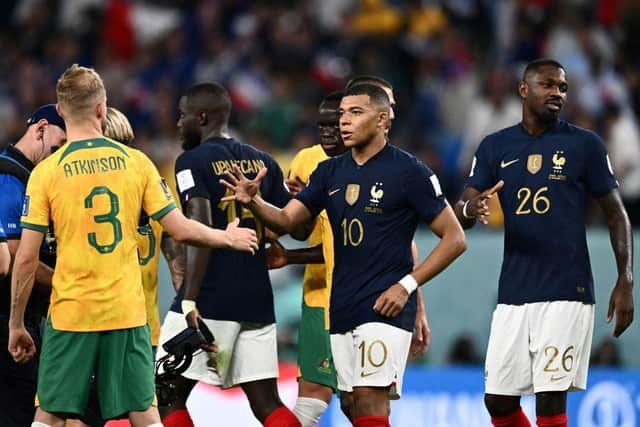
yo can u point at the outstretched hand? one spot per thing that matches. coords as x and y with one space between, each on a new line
244 189
477 206
242 239
621 303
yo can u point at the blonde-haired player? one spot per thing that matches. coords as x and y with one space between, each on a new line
93 190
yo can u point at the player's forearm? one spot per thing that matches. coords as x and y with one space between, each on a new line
622 243
620 233
197 260
23 276
272 217
451 246
197 234
311 255
465 222
174 253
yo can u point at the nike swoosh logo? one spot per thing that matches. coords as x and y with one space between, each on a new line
367 374
504 164
554 378
332 192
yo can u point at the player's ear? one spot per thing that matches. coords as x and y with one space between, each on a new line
101 111
203 118
523 89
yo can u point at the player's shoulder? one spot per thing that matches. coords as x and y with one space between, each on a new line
579 133
405 159
503 136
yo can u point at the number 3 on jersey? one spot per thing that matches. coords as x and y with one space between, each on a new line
109 217
232 213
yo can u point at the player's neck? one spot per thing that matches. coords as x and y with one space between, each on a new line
28 148
534 126
83 130
362 153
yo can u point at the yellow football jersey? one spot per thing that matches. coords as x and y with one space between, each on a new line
149 238
93 191
317 277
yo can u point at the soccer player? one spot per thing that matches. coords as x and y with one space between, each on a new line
5 256
45 133
544 169
374 196
231 291
93 190
421 333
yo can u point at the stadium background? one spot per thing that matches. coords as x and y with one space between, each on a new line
454 65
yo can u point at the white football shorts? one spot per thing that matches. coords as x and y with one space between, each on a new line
537 347
246 351
371 355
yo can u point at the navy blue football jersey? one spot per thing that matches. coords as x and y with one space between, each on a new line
236 285
546 183
374 210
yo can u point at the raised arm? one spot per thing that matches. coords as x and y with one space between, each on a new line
621 300
245 191
473 205
192 232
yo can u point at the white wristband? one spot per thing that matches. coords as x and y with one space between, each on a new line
409 283
188 306
464 210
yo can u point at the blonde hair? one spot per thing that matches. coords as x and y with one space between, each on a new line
117 126
79 90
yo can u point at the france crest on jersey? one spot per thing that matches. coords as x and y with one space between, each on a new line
546 183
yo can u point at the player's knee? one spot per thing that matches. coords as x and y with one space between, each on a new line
500 406
551 403
370 401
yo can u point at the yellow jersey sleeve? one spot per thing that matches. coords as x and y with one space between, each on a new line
157 200
35 207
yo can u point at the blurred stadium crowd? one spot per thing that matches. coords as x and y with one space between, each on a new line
454 65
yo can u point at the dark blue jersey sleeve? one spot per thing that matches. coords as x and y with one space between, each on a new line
278 193
424 193
190 178
599 173
313 196
11 198
481 175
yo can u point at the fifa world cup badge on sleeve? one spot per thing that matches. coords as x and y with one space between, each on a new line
165 189
25 206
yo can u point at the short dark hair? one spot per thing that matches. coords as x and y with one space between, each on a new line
539 63
377 95
368 79
331 98
212 98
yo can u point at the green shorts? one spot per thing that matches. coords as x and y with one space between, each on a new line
121 360
314 348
